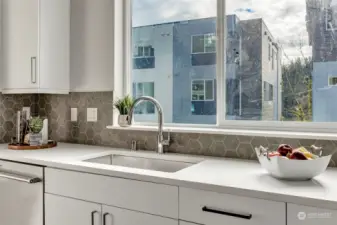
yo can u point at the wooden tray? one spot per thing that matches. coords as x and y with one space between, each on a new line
28 147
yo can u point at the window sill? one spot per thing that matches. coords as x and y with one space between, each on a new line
242 132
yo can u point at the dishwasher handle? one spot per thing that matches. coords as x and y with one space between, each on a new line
21 178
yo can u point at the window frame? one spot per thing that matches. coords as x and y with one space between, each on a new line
143 56
329 79
204 81
124 23
204 52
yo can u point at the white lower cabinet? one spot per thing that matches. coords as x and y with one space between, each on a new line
68 211
117 216
305 215
210 208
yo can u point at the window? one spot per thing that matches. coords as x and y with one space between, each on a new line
332 81
203 98
143 57
144 89
184 47
331 15
205 43
202 90
268 91
199 82
143 52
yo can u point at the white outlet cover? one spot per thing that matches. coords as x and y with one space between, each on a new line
92 114
73 115
27 110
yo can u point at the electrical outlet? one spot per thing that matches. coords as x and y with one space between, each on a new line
73 116
27 110
92 114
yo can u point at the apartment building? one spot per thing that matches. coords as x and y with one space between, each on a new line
322 28
176 63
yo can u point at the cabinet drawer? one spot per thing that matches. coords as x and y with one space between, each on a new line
141 196
213 208
304 215
23 169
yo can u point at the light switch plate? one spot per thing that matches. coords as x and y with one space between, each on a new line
92 114
27 110
73 116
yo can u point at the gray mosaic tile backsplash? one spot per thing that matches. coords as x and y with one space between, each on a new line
9 105
57 109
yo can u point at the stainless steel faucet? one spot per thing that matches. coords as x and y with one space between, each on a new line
160 140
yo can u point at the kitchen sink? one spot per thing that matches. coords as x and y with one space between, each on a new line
163 165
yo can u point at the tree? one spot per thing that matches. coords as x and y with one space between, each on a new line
297 89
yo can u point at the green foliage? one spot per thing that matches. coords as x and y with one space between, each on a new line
124 105
297 90
35 124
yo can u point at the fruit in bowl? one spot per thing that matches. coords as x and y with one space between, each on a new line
300 153
293 163
284 149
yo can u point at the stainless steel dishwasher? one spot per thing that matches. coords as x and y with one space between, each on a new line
21 194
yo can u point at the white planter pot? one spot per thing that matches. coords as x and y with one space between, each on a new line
123 120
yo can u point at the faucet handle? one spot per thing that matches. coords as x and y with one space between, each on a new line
168 140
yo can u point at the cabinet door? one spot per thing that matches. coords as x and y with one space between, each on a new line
304 215
19 43
118 216
67 211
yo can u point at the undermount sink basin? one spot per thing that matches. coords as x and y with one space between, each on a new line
141 163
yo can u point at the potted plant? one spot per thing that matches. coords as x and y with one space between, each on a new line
123 105
35 127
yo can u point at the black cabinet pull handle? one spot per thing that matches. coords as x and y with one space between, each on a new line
210 210
93 217
104 218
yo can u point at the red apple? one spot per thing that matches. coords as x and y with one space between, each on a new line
298 155
284 149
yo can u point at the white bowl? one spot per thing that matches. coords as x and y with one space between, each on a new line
290 169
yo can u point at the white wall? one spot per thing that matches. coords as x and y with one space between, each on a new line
270 75
91 45
161 38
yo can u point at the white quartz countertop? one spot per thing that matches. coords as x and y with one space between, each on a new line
237 177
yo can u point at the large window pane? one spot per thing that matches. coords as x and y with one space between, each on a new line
198 44
286 60
175 46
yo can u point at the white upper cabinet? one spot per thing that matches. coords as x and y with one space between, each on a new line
91 48
35 46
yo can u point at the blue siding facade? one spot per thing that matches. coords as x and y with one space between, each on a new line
188 67
323 96
192 63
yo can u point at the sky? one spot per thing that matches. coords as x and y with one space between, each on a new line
284 18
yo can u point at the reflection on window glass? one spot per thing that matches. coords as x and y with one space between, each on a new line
144 89
290 61
182 36
291 45
210 43
205 43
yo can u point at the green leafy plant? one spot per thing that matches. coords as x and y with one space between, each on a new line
35 124
123 105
